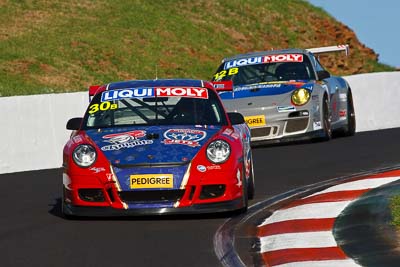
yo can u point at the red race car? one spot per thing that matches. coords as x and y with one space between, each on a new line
155 147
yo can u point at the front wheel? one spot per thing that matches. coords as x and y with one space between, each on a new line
245 196
326 120
250 184
350 129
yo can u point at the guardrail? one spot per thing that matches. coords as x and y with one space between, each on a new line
33 127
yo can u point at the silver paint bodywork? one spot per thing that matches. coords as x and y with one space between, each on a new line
283 119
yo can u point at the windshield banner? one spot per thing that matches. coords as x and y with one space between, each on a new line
193 92
264 59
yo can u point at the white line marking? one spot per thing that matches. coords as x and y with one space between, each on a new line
358 185
323 239
327 263
308 211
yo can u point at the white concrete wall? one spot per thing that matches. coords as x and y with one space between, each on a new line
33 127
376 100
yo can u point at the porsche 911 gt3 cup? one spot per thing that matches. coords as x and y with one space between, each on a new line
156 147
286 94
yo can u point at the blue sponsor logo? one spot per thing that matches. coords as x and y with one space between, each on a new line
201 168
257 86
127 93
285 108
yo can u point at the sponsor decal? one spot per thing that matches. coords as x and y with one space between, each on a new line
343 97
77 139
194 92
125 140
231 133
151 181
253 121
308 87
103 107
239 183
264 59
97 170
285 109
227 131
201 168
257 86
109 176
214 167
188 137
317 125
235 135
124 137
248 167
342 113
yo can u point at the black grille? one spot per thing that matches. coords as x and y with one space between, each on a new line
296 125
151 195
212 191
91 195
258 132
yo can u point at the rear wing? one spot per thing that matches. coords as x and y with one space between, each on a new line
330 49
94 89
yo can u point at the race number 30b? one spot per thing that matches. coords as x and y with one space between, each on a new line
103 107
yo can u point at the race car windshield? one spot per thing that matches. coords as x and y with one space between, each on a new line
173 110
264 72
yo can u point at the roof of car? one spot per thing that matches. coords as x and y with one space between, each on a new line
157 83
268 52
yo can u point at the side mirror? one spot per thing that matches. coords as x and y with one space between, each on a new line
323 74
74 124
236 118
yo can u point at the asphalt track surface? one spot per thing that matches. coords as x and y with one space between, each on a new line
33 232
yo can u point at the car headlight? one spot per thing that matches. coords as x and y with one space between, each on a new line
84 155
300 96
218 151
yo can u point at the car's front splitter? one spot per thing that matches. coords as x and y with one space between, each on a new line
292 138
218 207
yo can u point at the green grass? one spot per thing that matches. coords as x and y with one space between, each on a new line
64 46
395 208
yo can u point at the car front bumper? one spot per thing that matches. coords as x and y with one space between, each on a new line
88 211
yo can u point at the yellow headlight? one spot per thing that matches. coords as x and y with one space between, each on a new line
300 97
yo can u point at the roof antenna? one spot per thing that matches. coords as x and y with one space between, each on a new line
156 72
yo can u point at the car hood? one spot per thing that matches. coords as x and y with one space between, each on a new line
245 97
133 146
265 89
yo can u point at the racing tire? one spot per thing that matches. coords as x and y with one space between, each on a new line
350 128
250 184
245 192
326 120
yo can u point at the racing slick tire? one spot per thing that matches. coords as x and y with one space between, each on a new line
326 119
350 128
245 190
250 185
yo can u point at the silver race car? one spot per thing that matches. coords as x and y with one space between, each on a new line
287 95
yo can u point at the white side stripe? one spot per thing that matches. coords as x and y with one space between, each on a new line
358 185
323 239
308 211
327 263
